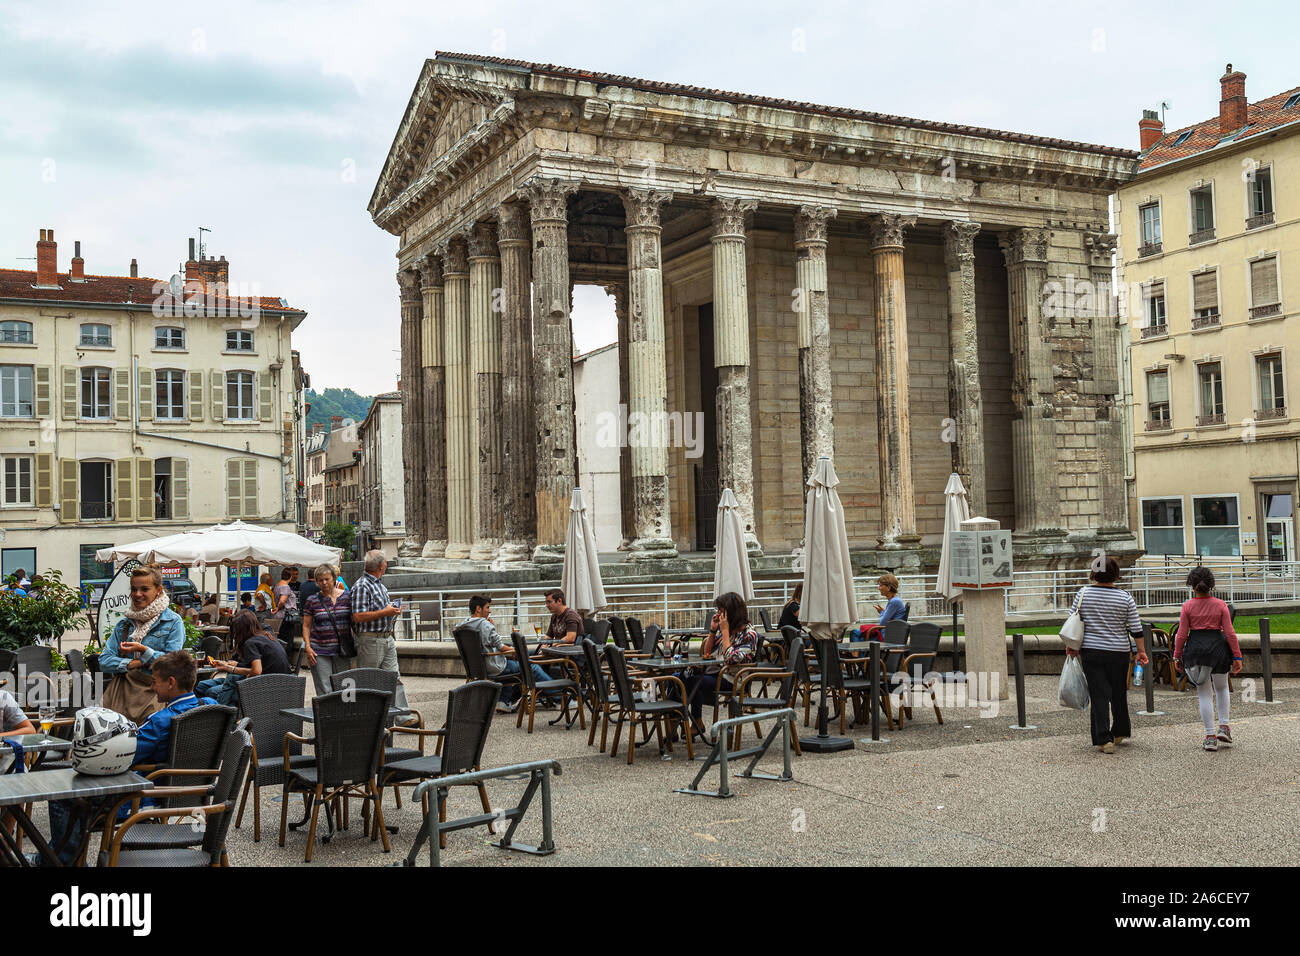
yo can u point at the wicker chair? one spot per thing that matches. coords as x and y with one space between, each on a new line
262 698
603 700
618 627
348 745
213 646
742 703
35 659
532 688
373 678
475 658
196 741
635 632
656 710
922 645
598 631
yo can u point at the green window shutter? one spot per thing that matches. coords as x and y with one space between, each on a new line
68 489
266 397
44 481
146 394
250 488
218 395
124 507
122 394
70 377
144 489
44 392
234 487
180 488
196 395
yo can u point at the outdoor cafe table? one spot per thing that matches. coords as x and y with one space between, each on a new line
306 713
17 790
38 745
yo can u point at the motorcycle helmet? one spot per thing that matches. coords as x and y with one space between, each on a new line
103 742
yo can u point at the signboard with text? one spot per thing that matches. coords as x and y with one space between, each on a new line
981 559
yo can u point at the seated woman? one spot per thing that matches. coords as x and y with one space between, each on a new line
732 641
211 609
790 613
893 610
147 631
256 653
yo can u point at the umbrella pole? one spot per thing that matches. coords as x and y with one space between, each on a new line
824 743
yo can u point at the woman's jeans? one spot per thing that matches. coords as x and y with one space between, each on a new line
1107 675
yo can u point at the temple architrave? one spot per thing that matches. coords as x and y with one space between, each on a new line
797 280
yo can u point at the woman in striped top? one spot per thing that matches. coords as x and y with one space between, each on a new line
1109 618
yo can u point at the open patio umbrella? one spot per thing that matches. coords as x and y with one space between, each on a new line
829 604
730 558
580 577
956 510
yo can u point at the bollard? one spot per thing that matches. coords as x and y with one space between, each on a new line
1149 683
875 682
1266 657
1018 652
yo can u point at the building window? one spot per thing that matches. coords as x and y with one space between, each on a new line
1209 376
239 395
1202 215
1264 297
16 393
92 571
169 395
13 560
1217 530
17 481
96 393
1272 397
1260 185
162 488
1205 299
96 335
1155 309
1162 525
96 489
1149 229
239 340
15 333
1158 399
169 338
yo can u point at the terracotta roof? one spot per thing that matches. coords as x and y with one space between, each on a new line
1261 117
655 86
106 290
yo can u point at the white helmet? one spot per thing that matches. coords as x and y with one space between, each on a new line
103 742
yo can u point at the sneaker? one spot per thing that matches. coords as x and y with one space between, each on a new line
1211 742
509 708
1121 741
1108 747
1225 735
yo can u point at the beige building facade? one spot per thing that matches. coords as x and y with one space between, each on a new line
382 497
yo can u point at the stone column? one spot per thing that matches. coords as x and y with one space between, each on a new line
965 399
518 428
893 425
411 371
619 292
552 364
433 453
1112 488
731 358
816 412
1033 433
485 384
460 499
647 378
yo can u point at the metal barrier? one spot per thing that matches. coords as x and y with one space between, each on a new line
720 755
434 826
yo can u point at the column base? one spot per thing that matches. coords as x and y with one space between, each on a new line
651 549
434 549
548 554
624 545
513 553
409 548
901 542
752 547
457 550
484 549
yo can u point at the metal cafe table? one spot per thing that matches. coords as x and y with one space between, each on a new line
19 789
38 745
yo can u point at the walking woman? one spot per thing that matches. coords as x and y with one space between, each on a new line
732 641
1206 649
1109 618
327 630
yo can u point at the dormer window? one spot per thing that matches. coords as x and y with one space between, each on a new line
1291 101
1183 137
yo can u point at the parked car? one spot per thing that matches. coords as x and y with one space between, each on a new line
183 592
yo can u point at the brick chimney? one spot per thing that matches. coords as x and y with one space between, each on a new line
1150 128
47 261
336 422
206 270
78 264
135 270
1232 101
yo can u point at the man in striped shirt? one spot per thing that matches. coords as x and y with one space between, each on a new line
373 621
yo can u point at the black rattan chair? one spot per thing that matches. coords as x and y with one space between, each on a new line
635 632
618 627
806 683
373 678
196 741
262 698
649 639
474 658
598 631
767 621
566 687
603 700
213 646
8 661
656 710
348 745
922 648
35 659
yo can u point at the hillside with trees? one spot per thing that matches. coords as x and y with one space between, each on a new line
336 401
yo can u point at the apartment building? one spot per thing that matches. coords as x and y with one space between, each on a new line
382 495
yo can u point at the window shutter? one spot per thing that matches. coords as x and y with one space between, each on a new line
218 395
1263 281
122 394
44 481
266 397
234 487
44 392
1205 291
180 488
68 490
250 488
146 394
196 395
124 509
144 489
70 376
1158 388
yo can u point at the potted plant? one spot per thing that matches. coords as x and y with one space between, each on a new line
42 616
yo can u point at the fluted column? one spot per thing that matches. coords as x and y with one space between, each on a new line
518 431
1033 432
619 292
1112 490
460 498
965 398
433 451
411 371
893 425
552 364
485 384
731 358
816 414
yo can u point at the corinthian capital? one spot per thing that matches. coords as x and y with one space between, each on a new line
481 238
1101 246
729 216
455 260
812 222
642 206
1024 245
959 242
408 280
549 198
887 229
512 222
431 271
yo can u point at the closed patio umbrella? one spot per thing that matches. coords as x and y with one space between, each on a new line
731 570
580 577
829 604
956 510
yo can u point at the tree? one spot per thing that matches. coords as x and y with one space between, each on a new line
49 608
340 535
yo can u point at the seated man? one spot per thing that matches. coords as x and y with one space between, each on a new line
13 721
480 609
174 674
566 623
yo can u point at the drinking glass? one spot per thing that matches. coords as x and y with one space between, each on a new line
45 714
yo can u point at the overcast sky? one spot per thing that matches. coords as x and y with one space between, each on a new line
128 126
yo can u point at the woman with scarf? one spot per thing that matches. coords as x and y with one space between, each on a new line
148 630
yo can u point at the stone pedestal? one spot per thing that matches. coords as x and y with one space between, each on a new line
986 633
460 521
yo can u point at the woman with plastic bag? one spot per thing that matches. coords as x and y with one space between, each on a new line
1109 617
1206 648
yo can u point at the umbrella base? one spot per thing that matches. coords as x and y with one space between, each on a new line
824 745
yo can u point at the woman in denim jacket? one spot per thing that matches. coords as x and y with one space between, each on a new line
150 629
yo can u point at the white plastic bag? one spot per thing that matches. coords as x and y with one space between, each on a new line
1072 631
1072 691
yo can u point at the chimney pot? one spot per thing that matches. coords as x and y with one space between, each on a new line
1150 129
191 250
135 270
